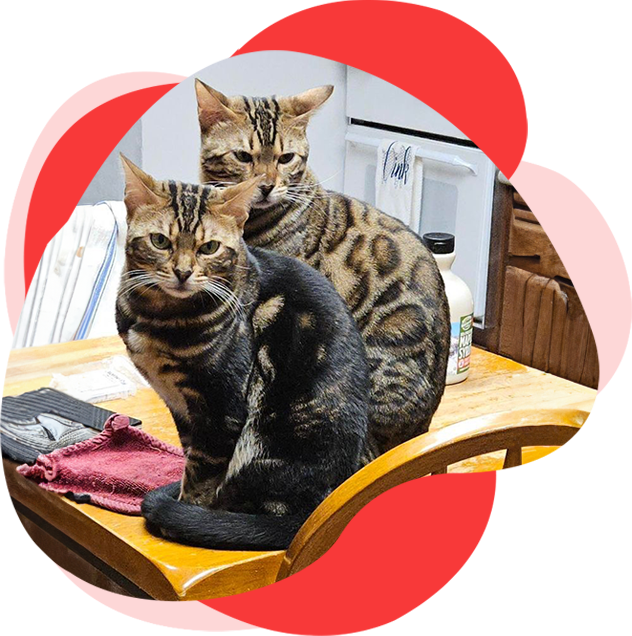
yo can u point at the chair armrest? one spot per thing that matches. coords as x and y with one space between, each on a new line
427 454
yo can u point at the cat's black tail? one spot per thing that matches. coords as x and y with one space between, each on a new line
217 529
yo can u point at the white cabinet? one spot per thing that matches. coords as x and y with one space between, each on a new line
372 99
458 179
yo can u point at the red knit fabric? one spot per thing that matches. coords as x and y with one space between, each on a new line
117 468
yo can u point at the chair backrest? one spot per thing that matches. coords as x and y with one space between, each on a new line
428 454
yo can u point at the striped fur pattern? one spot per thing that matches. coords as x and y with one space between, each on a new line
386 275
257 358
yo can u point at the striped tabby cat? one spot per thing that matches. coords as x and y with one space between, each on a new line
256 356
386 275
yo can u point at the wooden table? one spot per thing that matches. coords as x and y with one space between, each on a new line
116 552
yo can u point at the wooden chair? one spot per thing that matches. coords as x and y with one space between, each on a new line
429 454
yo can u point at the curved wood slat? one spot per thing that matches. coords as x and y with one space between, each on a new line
513 457
425 455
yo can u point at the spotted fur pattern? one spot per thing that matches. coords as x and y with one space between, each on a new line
265 375
386 275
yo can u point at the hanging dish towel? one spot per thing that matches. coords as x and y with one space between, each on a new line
398 182
114 470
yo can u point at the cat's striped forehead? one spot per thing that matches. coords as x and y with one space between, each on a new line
188 202
264 114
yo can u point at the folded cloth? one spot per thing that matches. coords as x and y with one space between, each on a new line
26 441
114 470
398 182
44 420
74 289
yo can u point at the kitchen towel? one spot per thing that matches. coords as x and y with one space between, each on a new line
398 182
114 470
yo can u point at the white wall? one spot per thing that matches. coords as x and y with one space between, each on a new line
170 132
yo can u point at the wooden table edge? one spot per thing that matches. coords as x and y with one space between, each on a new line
149 575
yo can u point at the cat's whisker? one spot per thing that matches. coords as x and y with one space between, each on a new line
308 199
213 294
218 286
301 187
312 192
292 192
134 272
138 281
154 284
221 282
300 200
138 277
218 277
139 285
129 277
319 183
316 205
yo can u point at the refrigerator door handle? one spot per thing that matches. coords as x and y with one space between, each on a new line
442 157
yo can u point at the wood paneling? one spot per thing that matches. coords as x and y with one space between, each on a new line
544 325
519 202
531 249
538 318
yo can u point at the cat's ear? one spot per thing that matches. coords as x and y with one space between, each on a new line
140 188
213 106
305 104
236 200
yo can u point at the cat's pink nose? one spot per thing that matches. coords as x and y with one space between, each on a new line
266 189
182 275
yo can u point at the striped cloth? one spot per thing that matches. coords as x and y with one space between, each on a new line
73 293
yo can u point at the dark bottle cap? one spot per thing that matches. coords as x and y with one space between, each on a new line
439 242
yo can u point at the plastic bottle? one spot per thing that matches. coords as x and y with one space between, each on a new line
461 306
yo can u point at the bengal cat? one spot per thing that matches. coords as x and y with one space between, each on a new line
255 354
386 275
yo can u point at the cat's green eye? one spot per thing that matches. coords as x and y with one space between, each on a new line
209 248
287 157
244 157
160 241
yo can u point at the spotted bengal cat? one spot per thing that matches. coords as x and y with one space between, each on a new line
386 275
